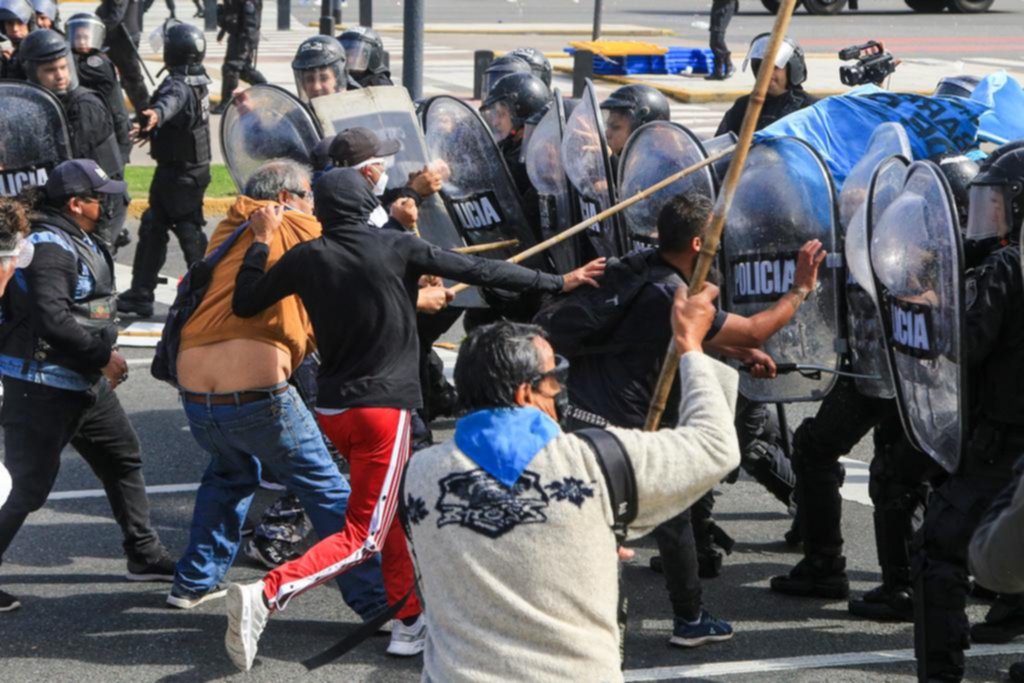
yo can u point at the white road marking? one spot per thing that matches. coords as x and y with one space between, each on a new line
855 488
100 493
716 669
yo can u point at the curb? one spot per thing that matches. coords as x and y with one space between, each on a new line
540 29
212 205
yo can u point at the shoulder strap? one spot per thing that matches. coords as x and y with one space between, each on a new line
222 248
618 475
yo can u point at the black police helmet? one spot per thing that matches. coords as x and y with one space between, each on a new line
796 66
539 64
316 52
364 49
43 46
641 103
16 10
85 30
956 86
184 45
501 67
959 171
1005 168
523 93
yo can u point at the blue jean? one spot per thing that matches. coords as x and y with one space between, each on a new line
278 433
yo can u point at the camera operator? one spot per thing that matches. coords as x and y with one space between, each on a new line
785 91
60 369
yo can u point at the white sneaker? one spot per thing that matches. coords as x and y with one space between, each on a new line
247 617
407 641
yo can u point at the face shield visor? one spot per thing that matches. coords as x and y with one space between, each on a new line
990 214
318 81
86 35
758 49
357 54
497 72
499 119
59 76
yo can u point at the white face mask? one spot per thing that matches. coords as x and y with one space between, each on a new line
382 184
378 217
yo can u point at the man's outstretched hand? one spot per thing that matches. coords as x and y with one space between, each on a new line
588 274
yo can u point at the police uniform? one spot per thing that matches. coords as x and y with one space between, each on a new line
123 20
994 348
240 19
794 99
722 12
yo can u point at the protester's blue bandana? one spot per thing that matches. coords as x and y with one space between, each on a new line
503 441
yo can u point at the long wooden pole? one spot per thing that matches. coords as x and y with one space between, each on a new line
489 246
713 235
610 211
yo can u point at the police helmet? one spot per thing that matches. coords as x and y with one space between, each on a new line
184 45
956 86
959 171
16 10
501 67
364 50
790 55
518 96
320 67
40 49
997 194
48 9
85 32
539 64
641 103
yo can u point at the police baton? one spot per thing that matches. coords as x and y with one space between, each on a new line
716 220
610 211
135 51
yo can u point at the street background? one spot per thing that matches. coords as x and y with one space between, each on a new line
80 621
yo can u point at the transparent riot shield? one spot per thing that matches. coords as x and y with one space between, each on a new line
554 193
866 341
587 163
653 152
33 136
917 261
716 145
478 189
785 197
262 123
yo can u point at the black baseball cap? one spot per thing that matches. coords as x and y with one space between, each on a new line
355 145
81 176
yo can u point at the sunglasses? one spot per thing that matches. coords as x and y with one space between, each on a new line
559 373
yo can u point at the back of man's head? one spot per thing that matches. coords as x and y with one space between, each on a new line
277 175
13 222
494 361
682 219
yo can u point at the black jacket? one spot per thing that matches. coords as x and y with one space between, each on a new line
97 72
181 140
42 306
359 286
774 109
92 130
127 12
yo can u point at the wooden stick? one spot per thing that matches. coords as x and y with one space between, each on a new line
610 211
490 246
713 235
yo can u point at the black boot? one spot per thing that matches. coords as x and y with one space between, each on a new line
815 576
885 603
723 68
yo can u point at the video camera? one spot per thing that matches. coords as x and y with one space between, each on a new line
873 67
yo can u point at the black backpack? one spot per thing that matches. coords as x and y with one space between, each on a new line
191 291
582 321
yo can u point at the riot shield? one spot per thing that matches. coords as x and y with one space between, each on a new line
785 197
262 123
716 145
587 163
866 341
654 151
478 189
555 195
33 136
917 261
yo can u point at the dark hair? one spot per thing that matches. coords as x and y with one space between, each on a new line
493 361
13 222
684 217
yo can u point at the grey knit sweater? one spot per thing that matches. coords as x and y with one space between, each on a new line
521 583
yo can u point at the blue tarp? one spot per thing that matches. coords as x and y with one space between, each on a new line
1004 97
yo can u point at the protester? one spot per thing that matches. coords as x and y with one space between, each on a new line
234 372
60 369
511 484
15 250
368 383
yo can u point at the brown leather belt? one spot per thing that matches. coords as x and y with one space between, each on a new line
232 399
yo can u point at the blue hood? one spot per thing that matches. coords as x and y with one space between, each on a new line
503 441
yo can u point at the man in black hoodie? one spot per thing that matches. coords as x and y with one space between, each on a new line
359 286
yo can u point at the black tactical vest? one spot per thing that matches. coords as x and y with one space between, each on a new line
186 137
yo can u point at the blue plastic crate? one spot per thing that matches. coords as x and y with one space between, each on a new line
691 60
630 64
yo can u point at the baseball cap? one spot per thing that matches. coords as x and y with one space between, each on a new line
356 145
81 176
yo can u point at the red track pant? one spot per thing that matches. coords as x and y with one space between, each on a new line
375 441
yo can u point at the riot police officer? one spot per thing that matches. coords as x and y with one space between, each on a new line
47 14
16 17
364 51
320 68
240 20
48 62
630 107
510 103
994 355
178 123
501 67
785 91
123 20
722 12
540 66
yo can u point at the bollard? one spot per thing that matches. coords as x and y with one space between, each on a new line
337 12
582 69
412 48
209 15
284 15
596 33
366 13
326 18
481 60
